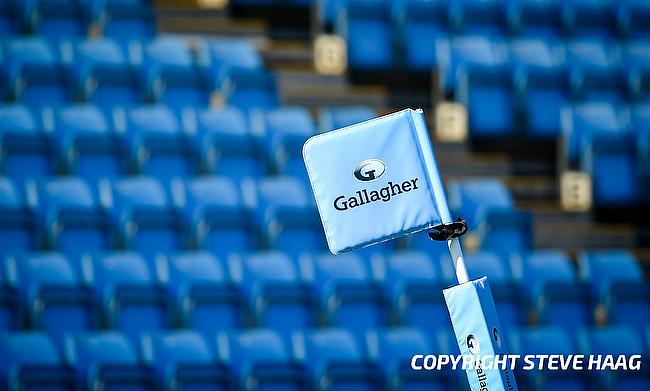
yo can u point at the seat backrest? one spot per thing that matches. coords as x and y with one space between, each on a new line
601 268
177 348
336 118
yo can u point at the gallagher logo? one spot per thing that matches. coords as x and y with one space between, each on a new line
369 170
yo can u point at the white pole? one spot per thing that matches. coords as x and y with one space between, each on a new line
459 261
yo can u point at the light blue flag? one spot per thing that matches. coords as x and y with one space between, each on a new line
378 180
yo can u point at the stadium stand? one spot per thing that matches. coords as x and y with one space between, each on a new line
157 231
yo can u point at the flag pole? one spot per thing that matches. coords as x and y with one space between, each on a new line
459 261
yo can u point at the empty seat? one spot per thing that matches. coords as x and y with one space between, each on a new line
70 216
247 88
582 120
26 147
347 291
108 359
505 231
125 19
203 292
35 72
184 360
284 131
336 118
633 17
538 18
412 283
472 198
226 144
30 361
336 356
17 228
286 214
589 17
105 74
547 340
58 19
144 216
52 293
218 55
636 63
477 16
171 76
366 25
277 296
215 215
616 340
393 351
618 283
505 291
260 359
419 21
128 293
9 315
541 84
157 143
553 290
87 144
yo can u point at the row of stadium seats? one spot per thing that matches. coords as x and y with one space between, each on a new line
414 18
126 292
55 19
82 140
323 359
612 144
109 73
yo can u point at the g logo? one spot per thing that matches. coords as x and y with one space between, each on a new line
369 170
473 345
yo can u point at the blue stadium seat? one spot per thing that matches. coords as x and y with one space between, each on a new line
107 361
144 216
618 283
128 293
535 18
277 295
589 17
420 21
10 21
553 290
35 72
261 359
616 340
611 161
157 142
247 88
25 145
481 17
284 131
594 66
337 356
547 340
472 198
488 95
412 282
171 75
216 216
287 216
422 243
22 369
367 27
105 74
71 218
48 279
226 144
184 360
218 55
125 20
541 84
17 228
505 231
505 291
326 13
336 118
56 19
348 292
633 17
9 316
393 350
87 144
636 62
203 292
582 120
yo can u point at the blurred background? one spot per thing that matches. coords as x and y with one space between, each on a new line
157 230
